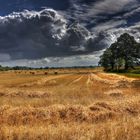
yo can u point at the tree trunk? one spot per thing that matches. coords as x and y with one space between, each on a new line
112 66
126 65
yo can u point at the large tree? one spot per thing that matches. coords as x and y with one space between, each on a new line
105 59
124 52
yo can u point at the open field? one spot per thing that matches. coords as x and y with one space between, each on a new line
69 104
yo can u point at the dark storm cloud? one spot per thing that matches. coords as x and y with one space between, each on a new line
32 35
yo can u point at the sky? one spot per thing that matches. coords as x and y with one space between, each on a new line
57 33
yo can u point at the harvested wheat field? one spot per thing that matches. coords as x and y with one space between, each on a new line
69 104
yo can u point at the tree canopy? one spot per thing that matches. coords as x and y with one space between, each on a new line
122 54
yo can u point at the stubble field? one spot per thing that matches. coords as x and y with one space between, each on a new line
69 104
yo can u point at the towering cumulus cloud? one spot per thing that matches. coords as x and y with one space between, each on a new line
46 33
31 34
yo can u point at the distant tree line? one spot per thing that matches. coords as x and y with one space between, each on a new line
6 68
121 55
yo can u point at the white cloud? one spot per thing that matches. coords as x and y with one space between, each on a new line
108 25
111 6
132 30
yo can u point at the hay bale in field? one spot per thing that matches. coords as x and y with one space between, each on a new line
55 72
46 73
33 73
2 94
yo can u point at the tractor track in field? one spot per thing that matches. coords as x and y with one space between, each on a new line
76 80
111 80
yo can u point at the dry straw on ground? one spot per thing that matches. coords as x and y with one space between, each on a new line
70 105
